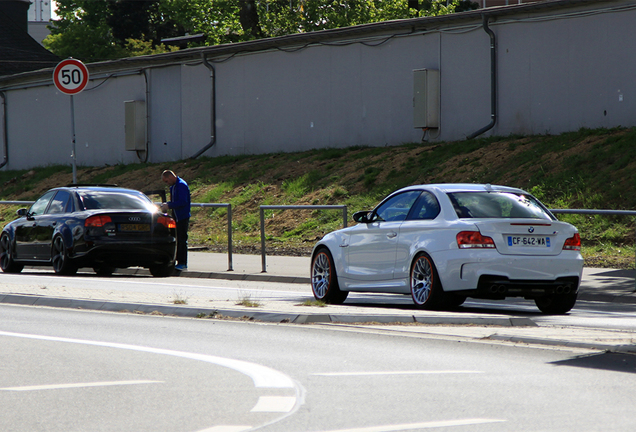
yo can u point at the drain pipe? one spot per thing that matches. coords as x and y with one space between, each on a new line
5 133
212 108
493 80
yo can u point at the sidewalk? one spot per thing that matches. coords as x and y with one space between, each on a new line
606 285
599 284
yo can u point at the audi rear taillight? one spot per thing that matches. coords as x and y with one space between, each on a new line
97 221
474 239
573 243
167 221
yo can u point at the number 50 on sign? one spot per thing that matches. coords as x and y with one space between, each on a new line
70 76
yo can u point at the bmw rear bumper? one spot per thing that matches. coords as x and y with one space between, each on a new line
492 275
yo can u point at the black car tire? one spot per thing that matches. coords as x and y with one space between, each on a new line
104 270
324 280
162 270
7 263
59 258
556 304
426 289
454 300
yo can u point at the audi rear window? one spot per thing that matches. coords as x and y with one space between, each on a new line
96 200
505 205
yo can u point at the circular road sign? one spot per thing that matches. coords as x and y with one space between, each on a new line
70 76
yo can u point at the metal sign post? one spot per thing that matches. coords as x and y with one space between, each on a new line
70 77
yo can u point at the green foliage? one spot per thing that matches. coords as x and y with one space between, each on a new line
94 30
586 169
214 195
139 47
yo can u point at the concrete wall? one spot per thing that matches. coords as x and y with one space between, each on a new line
556 73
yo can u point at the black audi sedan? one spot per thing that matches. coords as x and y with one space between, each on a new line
101 227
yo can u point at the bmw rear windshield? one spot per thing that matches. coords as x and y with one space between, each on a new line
115 200
500 205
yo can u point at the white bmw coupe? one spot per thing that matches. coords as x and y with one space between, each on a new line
442 243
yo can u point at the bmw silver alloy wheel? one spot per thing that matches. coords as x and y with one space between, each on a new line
321 275
422 280
324 281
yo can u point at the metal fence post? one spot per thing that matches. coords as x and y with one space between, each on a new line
263 260
230 265
293 207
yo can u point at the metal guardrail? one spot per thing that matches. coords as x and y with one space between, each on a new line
293 207
599 212
214 205
330 207
596 212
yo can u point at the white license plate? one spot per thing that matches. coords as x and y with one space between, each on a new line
529 241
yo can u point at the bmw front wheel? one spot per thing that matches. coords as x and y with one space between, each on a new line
324 281
426 289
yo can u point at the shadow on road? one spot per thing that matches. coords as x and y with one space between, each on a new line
615 362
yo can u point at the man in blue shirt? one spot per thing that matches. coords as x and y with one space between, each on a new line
180 205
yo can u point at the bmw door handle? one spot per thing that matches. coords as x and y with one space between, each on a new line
392 234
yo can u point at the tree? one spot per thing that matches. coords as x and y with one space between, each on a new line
94 30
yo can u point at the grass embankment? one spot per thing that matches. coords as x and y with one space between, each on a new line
594 169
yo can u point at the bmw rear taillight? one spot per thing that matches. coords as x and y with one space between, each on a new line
474 239
167 221
573 243
97 221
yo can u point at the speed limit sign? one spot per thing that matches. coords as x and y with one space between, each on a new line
70 76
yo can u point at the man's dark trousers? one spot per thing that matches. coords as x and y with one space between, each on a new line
182 241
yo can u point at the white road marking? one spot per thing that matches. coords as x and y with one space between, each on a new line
425 425
262 376
78 385
339 374
281 404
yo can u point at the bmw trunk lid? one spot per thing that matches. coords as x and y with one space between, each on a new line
527 236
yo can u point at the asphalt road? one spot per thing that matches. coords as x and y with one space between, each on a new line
68 370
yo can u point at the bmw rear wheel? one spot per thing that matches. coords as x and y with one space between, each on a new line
7 263
324 281
426 289
556 304
59 258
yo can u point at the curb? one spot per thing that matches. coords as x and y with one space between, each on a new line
275 317
266 316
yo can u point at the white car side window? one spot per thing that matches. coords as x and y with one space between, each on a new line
397 207
425 208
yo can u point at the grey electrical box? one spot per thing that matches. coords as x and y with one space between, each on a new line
425 98
135 125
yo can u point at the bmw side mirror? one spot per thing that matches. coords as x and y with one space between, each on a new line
22 212
362 216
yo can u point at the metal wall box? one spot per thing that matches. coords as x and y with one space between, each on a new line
135 125
426 109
